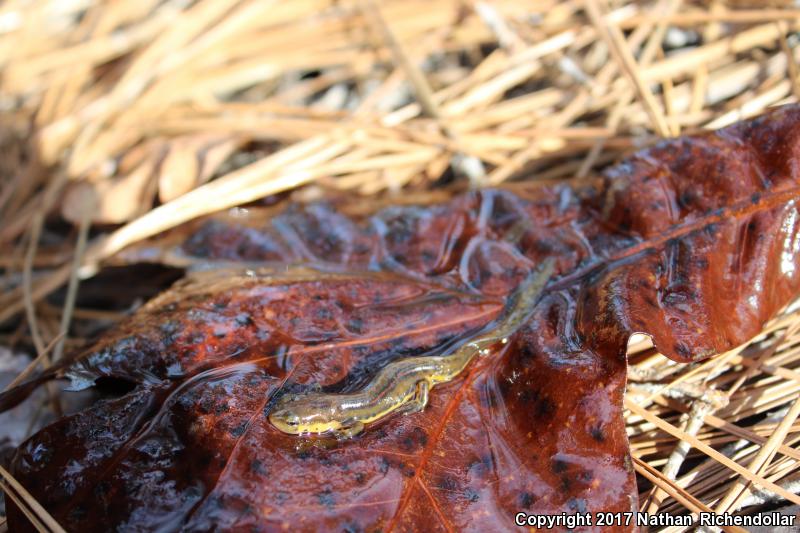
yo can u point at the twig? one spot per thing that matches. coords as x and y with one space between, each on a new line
700 408
20 503
738 16
53 188
27 501
791 64
668 486
466 164
616 43
33 364
761 460
711 452
72 286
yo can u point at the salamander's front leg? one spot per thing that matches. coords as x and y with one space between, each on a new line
420 399
351 429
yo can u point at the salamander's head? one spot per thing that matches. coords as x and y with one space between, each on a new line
305 414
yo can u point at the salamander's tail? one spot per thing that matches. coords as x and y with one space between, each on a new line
523 300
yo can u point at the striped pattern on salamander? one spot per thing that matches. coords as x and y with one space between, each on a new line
402 385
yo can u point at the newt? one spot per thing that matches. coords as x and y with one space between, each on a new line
402 386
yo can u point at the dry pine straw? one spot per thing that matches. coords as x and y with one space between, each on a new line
111 108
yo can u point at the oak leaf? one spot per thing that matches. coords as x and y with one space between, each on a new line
694 242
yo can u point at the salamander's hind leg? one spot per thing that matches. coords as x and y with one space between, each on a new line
420 399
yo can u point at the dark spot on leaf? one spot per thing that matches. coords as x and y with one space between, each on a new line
257 467
239 430
102 488
577 505
243 320
558 466
447 483
682 350
77 513
356 325
352 527
384 466
326 498
687 198
324 313
526 499
415 440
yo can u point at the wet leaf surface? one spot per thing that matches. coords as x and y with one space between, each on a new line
694 242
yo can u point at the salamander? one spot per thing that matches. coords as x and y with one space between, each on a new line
402 386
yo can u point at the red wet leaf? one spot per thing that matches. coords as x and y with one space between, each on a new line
694 242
